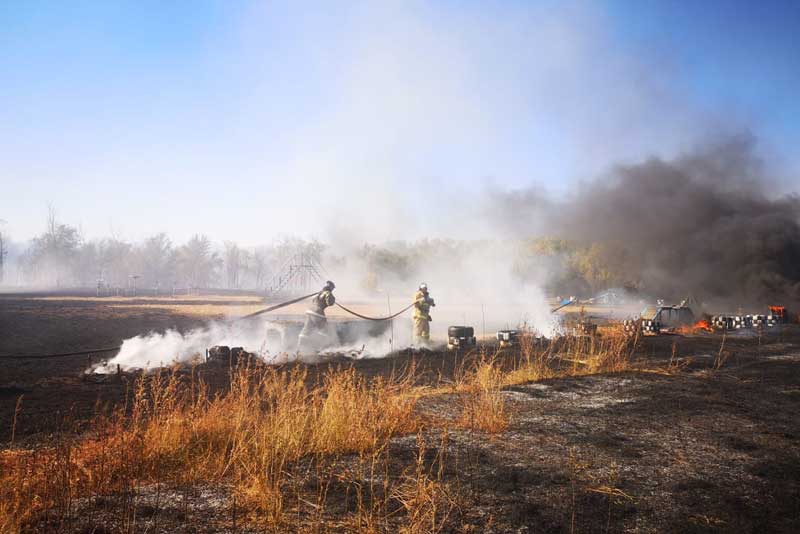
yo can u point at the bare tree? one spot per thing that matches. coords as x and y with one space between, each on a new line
113 255
156 260
233 264
52 254
86 265
259 268
198 263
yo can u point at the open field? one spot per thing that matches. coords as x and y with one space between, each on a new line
672 434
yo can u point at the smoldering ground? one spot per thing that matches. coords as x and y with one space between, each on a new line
156 349
707 223
273 342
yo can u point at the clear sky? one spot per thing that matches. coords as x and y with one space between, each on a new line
247 120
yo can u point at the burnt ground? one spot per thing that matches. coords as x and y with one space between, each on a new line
697 449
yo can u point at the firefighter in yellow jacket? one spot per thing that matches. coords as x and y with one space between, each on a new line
314 335
422 316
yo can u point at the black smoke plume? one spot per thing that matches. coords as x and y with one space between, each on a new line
708 224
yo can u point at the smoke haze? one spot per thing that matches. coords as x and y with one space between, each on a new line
369 120
416 143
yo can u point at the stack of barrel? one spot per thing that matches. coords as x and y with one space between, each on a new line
585 329
631 326
460 337
507 338
651 326
229 355
736 322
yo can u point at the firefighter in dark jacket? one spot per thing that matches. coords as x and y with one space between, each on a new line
314 335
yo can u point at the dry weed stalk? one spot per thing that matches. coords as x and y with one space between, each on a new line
483 404
172 432
180 436
571 356
424 495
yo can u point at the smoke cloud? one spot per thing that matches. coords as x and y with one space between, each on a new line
449 140
162 349
275 343
710 223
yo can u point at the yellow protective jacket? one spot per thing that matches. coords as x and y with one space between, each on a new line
422 305
322 300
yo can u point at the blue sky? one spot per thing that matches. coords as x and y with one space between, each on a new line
366 120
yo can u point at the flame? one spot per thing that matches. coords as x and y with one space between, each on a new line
780 311
700 326
704 325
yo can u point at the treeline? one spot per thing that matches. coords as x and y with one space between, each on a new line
61 257
580 268
559 266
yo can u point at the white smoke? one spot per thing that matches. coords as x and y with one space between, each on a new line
275 343
162 349
538 317
473 284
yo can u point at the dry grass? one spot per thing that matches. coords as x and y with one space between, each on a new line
155 298
571 356
197 310
481 384
175 434
424 496
201 306
273 431
483 405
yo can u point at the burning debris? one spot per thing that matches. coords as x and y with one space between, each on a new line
662 319
779 312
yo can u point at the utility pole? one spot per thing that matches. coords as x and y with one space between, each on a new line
3 252
391 323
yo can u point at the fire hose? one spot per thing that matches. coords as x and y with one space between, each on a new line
348 310
58 355
562 306
110 349
249 316
278 306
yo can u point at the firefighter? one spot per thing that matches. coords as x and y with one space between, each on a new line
314 335
422 317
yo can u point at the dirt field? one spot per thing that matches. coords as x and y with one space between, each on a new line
684 447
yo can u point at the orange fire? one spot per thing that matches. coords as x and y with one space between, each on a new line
780 311
700 326
704 325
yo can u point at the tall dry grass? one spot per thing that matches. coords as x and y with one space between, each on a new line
571 356
274 430
425 497
177 434
483 406
481 383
